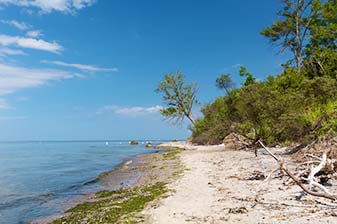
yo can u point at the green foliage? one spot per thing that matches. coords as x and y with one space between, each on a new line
291 31
178 97
321 52
286 108
300 103
320 63
171 153
215 125
249 77
224 82
323 29
322 119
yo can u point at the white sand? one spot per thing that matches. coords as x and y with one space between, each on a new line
215 189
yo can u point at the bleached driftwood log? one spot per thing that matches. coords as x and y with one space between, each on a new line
314 171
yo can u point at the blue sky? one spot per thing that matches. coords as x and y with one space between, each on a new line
87 69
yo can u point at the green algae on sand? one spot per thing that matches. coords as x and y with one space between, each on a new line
114 206
123 205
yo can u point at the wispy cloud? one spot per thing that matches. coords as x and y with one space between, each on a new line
129 111
4 104
89 68
236 65
9 51
17 24
13 78
31 43
34 33
5 118
47 6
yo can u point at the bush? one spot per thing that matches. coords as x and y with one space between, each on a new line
287 108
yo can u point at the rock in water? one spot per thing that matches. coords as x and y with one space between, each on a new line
149 145
133 142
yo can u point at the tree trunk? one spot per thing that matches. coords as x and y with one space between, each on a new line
298 51
189 117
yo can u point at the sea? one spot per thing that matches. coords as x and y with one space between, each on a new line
39 178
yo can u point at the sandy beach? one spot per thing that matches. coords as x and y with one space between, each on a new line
201 184
220 185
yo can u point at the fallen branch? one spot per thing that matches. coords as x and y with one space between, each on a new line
313 156
316 169
298 181
305 163
320 186
302 146
271 174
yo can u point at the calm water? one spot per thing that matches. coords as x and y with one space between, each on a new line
37 178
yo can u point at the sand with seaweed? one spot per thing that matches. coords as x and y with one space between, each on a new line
131 186
201 184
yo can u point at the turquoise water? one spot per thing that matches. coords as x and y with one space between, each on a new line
38 178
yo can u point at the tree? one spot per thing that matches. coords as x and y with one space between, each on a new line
323 30
321 53
224 82
249 77
178 97
291 31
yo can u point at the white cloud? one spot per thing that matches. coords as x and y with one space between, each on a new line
13 78
236 65
17 24
47 6
9 51
31 43
89 68
4 104
129 111
34 33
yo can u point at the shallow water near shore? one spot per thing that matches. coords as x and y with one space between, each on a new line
38 178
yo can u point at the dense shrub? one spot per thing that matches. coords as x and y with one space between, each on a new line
299 104
287 108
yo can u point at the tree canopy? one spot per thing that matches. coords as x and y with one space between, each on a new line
179 98
297 105
224 82
292 29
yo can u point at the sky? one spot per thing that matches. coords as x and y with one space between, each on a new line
87 69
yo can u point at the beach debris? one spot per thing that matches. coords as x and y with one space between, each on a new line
238 210
235 141
256 175
133 142
308 179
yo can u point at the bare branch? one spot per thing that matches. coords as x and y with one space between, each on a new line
298 181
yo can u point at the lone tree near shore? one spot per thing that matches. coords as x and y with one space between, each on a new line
178 97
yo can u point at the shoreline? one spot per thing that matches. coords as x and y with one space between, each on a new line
202 184
134 172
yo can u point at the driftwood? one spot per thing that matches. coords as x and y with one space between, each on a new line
311 177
